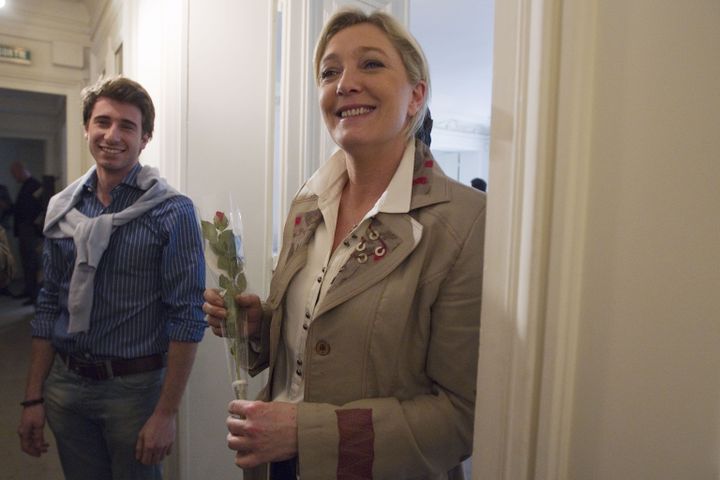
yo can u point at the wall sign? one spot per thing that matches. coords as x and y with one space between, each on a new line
14 54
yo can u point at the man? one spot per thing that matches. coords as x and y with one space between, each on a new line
27 210
119 316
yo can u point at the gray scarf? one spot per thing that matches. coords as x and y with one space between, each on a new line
92 235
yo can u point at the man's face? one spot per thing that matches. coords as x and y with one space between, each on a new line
114 135
18 172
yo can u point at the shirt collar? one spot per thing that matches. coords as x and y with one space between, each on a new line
330 177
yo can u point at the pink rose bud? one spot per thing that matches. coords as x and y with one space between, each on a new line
220 220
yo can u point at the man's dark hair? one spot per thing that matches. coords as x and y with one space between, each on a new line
479 183
425 129
123 90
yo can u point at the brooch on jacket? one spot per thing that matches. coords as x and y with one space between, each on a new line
375 244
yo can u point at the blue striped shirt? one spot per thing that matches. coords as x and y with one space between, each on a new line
148 286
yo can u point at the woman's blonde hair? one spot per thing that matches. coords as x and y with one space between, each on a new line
409 49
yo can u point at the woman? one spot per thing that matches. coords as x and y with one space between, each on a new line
370 330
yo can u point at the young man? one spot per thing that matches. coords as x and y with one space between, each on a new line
119 315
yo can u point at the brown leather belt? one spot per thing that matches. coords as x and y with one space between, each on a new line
117 367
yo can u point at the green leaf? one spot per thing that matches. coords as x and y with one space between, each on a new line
240 282
209 232
227 241
225 263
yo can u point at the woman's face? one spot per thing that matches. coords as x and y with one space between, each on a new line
365 95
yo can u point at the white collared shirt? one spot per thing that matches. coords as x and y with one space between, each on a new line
309 286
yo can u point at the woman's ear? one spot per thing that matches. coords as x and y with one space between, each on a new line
417 98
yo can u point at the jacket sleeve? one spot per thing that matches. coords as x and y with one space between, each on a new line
420 437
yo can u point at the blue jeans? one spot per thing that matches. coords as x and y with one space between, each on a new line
96 422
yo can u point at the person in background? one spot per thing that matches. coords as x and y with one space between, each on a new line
370 330
6 207
7 261
27 210
119 316
479 184
424 132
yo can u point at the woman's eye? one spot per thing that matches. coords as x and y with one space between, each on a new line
373 64
327 73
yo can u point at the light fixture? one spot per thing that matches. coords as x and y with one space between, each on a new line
2 3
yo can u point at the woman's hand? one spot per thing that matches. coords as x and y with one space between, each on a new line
262 432
214 308
215 311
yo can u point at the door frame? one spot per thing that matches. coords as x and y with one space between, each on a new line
539 155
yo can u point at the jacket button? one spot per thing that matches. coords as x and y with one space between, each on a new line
322 348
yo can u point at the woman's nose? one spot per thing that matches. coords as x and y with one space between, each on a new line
348 82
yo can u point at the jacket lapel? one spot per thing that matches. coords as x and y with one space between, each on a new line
386 242
303 220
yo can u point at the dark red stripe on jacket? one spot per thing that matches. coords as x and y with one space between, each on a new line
355 449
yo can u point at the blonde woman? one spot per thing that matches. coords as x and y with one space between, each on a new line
370 330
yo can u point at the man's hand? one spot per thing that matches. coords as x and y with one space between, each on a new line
262 432
32 424
155 439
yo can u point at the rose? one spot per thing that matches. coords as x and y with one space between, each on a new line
223 255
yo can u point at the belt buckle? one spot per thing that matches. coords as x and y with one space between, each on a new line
94 370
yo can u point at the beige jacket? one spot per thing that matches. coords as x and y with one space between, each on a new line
390 364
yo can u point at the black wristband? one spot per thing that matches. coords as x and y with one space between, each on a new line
34 401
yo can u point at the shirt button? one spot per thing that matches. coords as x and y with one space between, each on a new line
299 372
322 348
305 326
299 362
307 314
319 279
346 243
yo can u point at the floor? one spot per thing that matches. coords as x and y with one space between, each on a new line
14 356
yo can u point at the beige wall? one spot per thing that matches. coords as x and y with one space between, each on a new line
647 399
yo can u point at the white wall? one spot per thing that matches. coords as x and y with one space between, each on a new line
647 401
228 150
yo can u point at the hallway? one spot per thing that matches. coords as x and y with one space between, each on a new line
14 356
